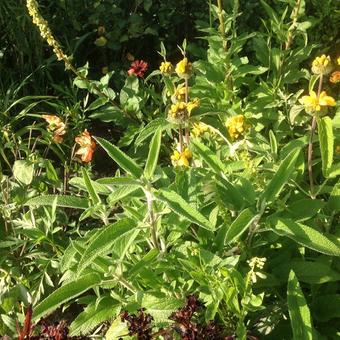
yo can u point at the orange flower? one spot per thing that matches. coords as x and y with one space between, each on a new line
87 146
55 125
335 77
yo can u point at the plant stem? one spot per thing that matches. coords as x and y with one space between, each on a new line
180 138
310 144
310 157
151 214
187 132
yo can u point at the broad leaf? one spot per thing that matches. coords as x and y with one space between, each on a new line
280 177
65 293
62 201
300 318
326 140
208 156
153 154
236 229
183 208
124 161
90 188
23 171
104 242
307 236
93 315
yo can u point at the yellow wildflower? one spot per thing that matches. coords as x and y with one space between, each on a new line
335 77
183 68
179 94
338 60
180 111
192 105
199 128
322 65
181 158
314 103
166 67
236 126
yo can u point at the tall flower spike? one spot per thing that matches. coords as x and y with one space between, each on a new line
45 31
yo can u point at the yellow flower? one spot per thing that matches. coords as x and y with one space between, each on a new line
181 158
199 128
179 94
313 103
192 105
236 126
183 68
166 67
322 65
338 60
180 111
335 77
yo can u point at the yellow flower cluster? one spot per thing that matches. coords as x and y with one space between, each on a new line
322 65
183 68
199 128
45 31
180 111
181 158
180 93
236 126
314 103
166 67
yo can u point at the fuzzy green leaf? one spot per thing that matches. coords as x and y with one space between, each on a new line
208 156
237 228
65 293
326 140
299 313
307 236
161 308
183 208
93 315
152 160
62 201
23 171
104 242
90 188
124 161
280 177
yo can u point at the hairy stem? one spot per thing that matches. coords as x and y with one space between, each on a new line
221 20
310 144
